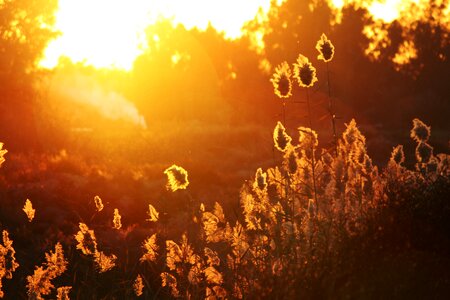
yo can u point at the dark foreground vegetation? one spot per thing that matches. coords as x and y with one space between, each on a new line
317 224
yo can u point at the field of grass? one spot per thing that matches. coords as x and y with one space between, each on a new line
311 223
212 169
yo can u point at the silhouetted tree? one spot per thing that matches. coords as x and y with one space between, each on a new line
23 36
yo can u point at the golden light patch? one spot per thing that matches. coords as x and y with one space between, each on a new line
112 33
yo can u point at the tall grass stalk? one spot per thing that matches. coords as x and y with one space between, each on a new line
313 163
331 111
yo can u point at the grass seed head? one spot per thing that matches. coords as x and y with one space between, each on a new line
281 80
63 293
117 221
325 48
2 153
138 286
304 72
28 209
104 262
177 178
260 180
292 164
86 240
151 249
424 152
420 132
98 203
397 155
152 213
281 138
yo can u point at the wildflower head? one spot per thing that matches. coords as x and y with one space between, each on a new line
291 157
2 152
304 72
174 254
368 165
420 132
56 263
7 253
260 180
307 138
86 240
280 137
40 283
152 213
104 262
281 80
213 276
397 155
117 221
29 211
325 48
352 134
150 248
213 257
177 178
170 281
98 203
63 293
424 152
138 286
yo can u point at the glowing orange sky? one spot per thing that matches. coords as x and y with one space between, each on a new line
111 33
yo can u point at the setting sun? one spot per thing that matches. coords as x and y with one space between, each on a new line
112 33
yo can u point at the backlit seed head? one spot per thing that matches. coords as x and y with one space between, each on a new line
281 80
177 178
260 180
292 164
420 132
87 242
2 153
352 135
304 72
29 210
423 152
138 286
63 293
281 138
398 155
325 48
117 221
98 203
307 137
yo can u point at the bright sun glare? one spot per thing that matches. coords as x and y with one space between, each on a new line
111 33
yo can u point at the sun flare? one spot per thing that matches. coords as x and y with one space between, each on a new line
112 33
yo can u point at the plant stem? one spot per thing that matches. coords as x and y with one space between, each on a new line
309 109
330 109
313 164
